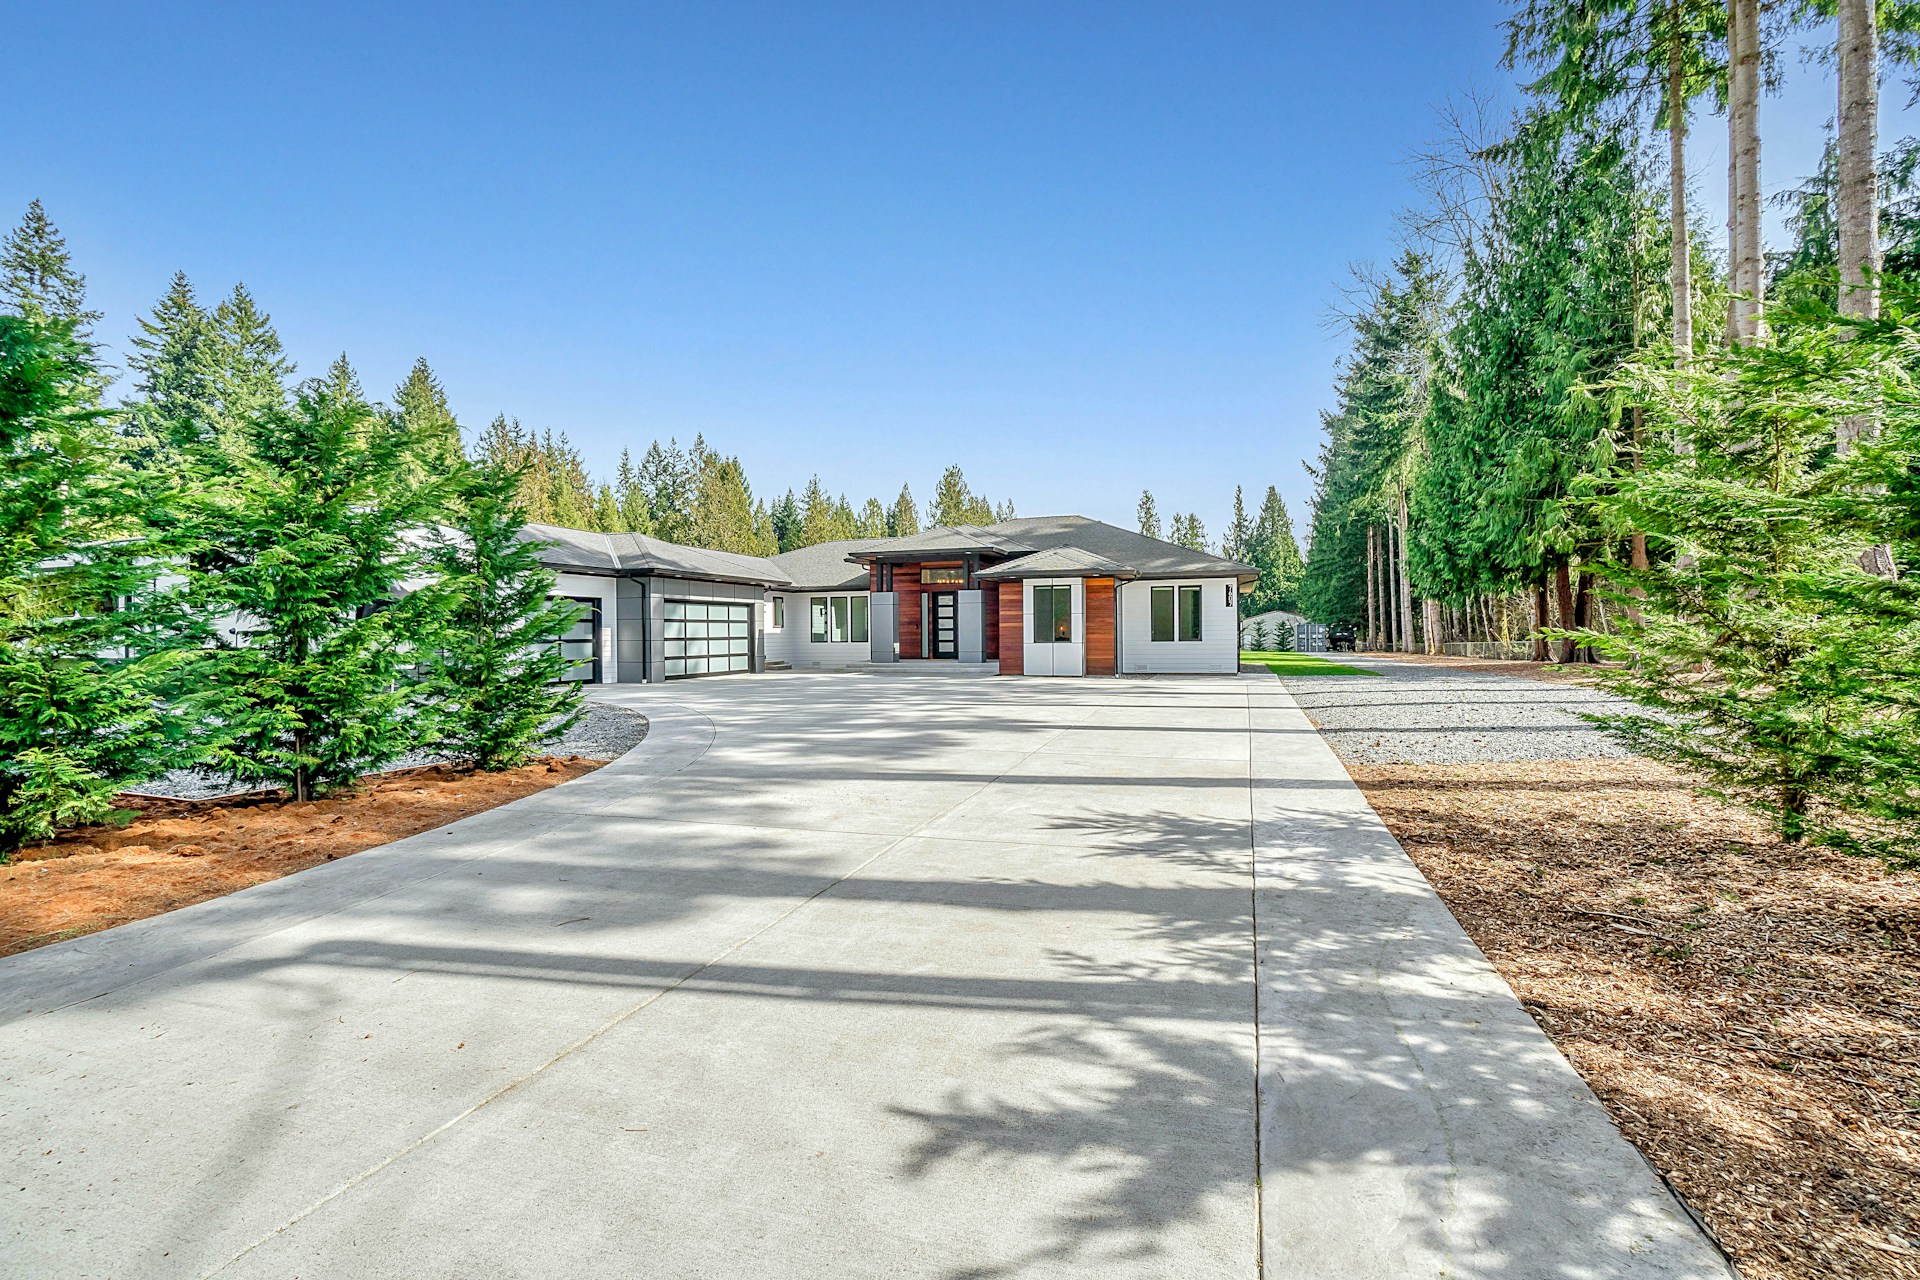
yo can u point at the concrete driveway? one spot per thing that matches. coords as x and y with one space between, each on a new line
837 975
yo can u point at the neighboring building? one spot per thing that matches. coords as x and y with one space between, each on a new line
1049 595
1275 621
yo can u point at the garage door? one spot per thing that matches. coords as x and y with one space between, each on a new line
708 638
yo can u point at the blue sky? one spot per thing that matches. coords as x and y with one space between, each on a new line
1078 248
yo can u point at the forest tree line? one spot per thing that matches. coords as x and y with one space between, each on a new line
1571 406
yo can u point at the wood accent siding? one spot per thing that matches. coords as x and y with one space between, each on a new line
908 594
1013 654
990 620
1100 644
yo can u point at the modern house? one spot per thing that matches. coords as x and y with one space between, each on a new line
1044 596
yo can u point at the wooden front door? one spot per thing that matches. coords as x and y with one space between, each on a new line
943 624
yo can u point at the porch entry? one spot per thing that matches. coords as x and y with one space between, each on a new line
943 624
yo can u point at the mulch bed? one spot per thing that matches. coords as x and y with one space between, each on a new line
1748 1011
178 852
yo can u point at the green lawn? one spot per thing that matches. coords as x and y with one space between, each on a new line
1299 664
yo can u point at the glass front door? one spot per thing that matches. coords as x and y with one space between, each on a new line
943 625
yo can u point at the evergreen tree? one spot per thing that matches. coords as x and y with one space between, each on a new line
955 504
170 363
247 368
1188 531
494 674
670 477
306 543
785 518
1768 658
37 276
871 522
1633 55
1272 550
903 519
506 446
78 722
630 497
1003 510
725 518
606 510
1239 531
1550 309
422 415
1149 513
819 516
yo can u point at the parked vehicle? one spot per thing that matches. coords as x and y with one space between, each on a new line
1341 639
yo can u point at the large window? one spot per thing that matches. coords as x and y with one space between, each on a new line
839 619
1189 613
1052 615
1162 615
1174 614
943 576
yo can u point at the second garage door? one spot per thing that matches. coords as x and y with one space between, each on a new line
707 637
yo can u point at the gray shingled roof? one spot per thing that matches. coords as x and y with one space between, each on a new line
1064 545
637 553
824 566
1065 562
954 540
1145 557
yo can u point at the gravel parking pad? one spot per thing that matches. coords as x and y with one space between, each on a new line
1435 715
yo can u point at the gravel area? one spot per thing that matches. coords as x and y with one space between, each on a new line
603 733
1414 714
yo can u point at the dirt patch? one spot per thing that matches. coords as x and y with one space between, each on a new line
178 852
1551 672
1748 1011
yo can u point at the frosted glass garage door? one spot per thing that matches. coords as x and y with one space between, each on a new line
708 638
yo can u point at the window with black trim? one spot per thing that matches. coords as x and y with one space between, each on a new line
1052 615
839 620
1173 613
779 613
1189 613
1161 615
943 575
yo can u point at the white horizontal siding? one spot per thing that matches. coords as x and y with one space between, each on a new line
1216 652
794 643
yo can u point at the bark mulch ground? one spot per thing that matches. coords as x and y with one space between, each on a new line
178 852
1747 1010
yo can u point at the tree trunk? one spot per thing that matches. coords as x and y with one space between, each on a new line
1540 619
1373 584
1406 584
1856 195
1682 267
1857 206
1746 312
1563 599
1435 627
1582 614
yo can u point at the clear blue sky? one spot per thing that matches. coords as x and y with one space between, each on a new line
1080 248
